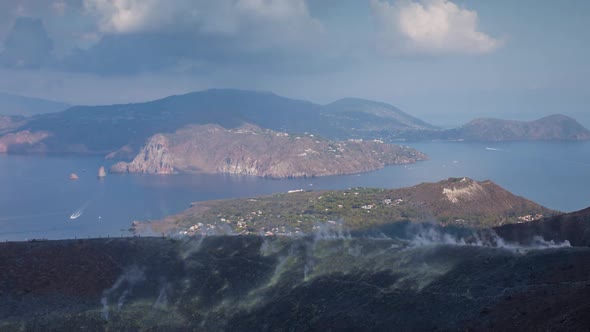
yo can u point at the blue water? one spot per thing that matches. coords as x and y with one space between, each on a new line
37 199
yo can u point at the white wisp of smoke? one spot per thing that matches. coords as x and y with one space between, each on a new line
421 235
126 281
162 299
331 230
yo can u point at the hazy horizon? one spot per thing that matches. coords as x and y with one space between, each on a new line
443 61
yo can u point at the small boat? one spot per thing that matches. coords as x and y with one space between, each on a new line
74 176
76 214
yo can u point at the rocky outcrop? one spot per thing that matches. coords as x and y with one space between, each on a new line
101 172
153 158
250 150
15 141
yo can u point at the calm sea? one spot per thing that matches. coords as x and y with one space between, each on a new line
37 199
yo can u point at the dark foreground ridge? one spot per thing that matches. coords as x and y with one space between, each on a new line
411 278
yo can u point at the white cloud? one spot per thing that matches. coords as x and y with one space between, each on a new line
59 7
259 22
128 16
429 27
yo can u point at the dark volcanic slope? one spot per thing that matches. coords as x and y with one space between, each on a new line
245 283
574 227
554 127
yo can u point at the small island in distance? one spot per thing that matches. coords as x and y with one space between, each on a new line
555 127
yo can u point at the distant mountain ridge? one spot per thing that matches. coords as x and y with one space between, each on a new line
366 118
103 129
109 128
27 106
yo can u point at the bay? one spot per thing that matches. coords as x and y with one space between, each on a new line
37 198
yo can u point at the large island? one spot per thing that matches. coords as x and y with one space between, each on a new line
457 202
101 130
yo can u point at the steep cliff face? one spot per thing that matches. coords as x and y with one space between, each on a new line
250 150
154 158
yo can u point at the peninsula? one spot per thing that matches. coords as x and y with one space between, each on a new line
251 150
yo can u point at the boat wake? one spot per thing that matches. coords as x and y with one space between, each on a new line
493 149
79 212
76 214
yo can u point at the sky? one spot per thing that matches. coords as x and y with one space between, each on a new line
444 61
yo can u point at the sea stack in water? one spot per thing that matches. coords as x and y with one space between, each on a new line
101 172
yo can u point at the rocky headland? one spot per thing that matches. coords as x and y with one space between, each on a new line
251 150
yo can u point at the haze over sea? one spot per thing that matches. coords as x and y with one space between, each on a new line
37 199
